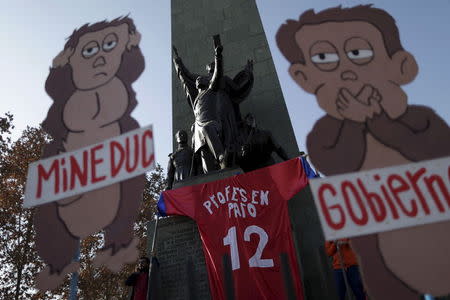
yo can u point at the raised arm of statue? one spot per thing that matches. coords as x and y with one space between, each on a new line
218 68
240 86
187 78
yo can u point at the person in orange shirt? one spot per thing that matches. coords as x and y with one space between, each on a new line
345 263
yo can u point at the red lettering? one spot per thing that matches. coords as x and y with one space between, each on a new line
390 203
402 186
347 185
429 182
413 179
94 163
42 174
326 209
76 172
135 156
146 162
388 198
115 168
64 171
375 202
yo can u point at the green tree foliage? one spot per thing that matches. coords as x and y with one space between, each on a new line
18 258
100 283
19 262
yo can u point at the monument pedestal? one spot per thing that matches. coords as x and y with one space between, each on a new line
194 23
179 249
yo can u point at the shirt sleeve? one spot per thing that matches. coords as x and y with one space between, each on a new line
180 201
289 177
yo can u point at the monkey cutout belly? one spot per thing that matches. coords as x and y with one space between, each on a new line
380 156
91 117
418 256
90 212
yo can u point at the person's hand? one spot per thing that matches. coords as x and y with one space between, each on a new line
175 51
219 50
176 59
360 107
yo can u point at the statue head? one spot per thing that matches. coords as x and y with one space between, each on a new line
210 67
202 82
249 120
181 137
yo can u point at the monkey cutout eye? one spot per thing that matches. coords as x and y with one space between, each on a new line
90 49
110 42
358 54
323 58
358 50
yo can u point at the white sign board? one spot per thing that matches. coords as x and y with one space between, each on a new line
385 199
89 168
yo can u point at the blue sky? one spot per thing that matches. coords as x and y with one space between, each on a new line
33 32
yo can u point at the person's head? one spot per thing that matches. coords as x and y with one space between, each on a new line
181 137
249 120
210 67
202 82
348 48
144 263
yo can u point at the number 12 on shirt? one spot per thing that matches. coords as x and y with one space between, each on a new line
255 261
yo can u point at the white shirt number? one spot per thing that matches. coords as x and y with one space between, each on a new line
255 261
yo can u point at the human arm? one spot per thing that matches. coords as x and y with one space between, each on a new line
240 86
170 173
330 248
331 140
418 134
218 68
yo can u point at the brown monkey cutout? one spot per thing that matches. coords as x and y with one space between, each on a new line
353 61
90 84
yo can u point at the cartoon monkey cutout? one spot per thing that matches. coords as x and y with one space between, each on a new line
90 84
353 61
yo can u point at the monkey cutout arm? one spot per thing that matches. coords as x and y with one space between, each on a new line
419 134
331 140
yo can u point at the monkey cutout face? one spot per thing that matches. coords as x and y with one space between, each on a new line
349 60
98 56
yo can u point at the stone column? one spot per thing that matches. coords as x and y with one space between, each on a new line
194 22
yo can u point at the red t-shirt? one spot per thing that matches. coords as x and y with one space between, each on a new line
246 217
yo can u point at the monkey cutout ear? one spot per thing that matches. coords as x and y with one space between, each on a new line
135 39
298 72
62 58
406 67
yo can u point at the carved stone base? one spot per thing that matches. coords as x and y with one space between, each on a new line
179 249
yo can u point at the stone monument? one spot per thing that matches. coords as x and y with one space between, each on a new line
179 249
